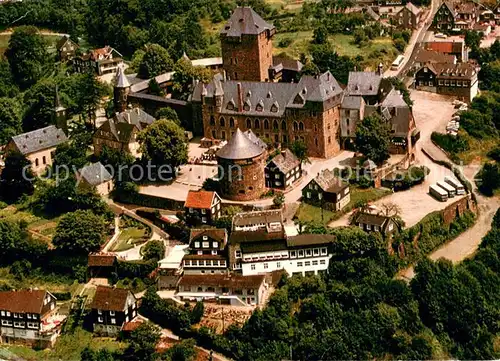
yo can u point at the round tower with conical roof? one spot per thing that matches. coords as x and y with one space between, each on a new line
241 168
121 90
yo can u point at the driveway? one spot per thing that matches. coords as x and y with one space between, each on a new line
190 180
416 37
467 243
432 112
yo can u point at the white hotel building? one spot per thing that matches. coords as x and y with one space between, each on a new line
255 253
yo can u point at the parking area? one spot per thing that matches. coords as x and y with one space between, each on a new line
432 112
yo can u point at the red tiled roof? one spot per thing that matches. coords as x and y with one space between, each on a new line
110 298
445 46
101 260
22 301
132 325
199 199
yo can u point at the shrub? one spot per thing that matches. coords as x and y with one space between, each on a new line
449 143
285 42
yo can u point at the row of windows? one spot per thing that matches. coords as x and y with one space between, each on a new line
206 244
308 263
309 252
37 161
256 124
458 83
29 316
18 324
208 262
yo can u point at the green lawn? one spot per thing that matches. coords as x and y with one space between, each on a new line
68 347
309 213
366 195
132 234
375 51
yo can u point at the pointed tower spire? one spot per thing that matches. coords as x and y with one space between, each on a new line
59 113
121 90
121 78
185 57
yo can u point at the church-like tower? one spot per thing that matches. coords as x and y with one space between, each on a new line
59 114
247 47
121 91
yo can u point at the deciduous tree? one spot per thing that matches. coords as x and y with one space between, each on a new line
373 136
27 55
80 232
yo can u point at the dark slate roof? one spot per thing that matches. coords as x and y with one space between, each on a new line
273 97
285 161
258 217
110 298
352 102
238 237
287 63
239 147
265 246
121 132
39 139
136 116
61 42
218 234
329 182
245 21
223 280
372 219
394 99
95 174
309 240
363 83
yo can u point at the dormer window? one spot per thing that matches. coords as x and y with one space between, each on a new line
260 106
269 95
230 105
298 99
274 107
249 94
247 106
304 91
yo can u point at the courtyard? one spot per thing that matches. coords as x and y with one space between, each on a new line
431 112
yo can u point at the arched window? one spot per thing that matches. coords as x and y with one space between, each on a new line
212 120
275 125
44 160
283 125
36 162
266 124
257 123
301 126
249 123
222 122
231 122
295 126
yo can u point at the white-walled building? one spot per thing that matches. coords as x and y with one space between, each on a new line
254 253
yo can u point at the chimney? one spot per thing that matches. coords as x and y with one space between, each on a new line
240 98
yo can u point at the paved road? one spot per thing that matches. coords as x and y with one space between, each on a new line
416 38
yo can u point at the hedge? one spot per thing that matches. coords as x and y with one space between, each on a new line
132 269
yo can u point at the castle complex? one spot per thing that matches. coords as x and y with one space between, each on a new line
256 92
